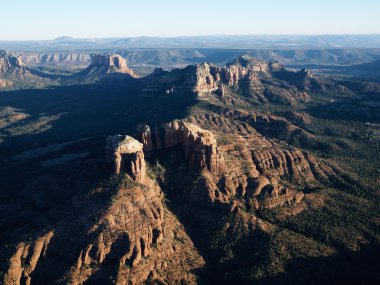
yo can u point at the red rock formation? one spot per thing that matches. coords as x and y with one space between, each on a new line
253 162
128 227
127 155
133 206
200 147
12 66
145 136
209 77
25 259
13 73
113 63
202 153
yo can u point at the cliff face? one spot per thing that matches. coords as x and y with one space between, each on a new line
25 259
209 77
246 76
13 73
127 155
103 66
55 59
199 146
11 67
109 64
259 80
264 172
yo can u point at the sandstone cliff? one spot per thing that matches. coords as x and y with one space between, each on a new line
246 173
199 146
112 64
13 73
117 232
11 67
103 67
209 78
245 75
127 155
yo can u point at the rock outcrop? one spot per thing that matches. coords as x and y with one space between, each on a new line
222 181
208 78
127 155
25 259
246 76
145 136
201 151
11 67
199 146
113 63
265 173
134 220
103 65
13 73
304 80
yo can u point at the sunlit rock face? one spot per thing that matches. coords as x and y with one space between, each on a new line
127 155
113 63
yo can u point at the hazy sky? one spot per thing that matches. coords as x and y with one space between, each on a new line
48 19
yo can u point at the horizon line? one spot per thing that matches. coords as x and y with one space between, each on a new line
191 36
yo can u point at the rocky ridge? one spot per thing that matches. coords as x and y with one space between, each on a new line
223 180
258 80
11 69
246 76
209 78
106 64
56 59
131 235
14 73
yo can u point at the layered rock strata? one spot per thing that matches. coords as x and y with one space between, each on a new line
199 146
127 155
113 63
222 180
208 78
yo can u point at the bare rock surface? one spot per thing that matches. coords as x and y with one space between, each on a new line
127 155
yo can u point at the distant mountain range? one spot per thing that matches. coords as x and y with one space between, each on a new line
215 41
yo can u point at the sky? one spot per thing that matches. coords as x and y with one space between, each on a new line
49 19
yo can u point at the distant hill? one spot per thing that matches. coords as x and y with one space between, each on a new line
215 41
371 67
